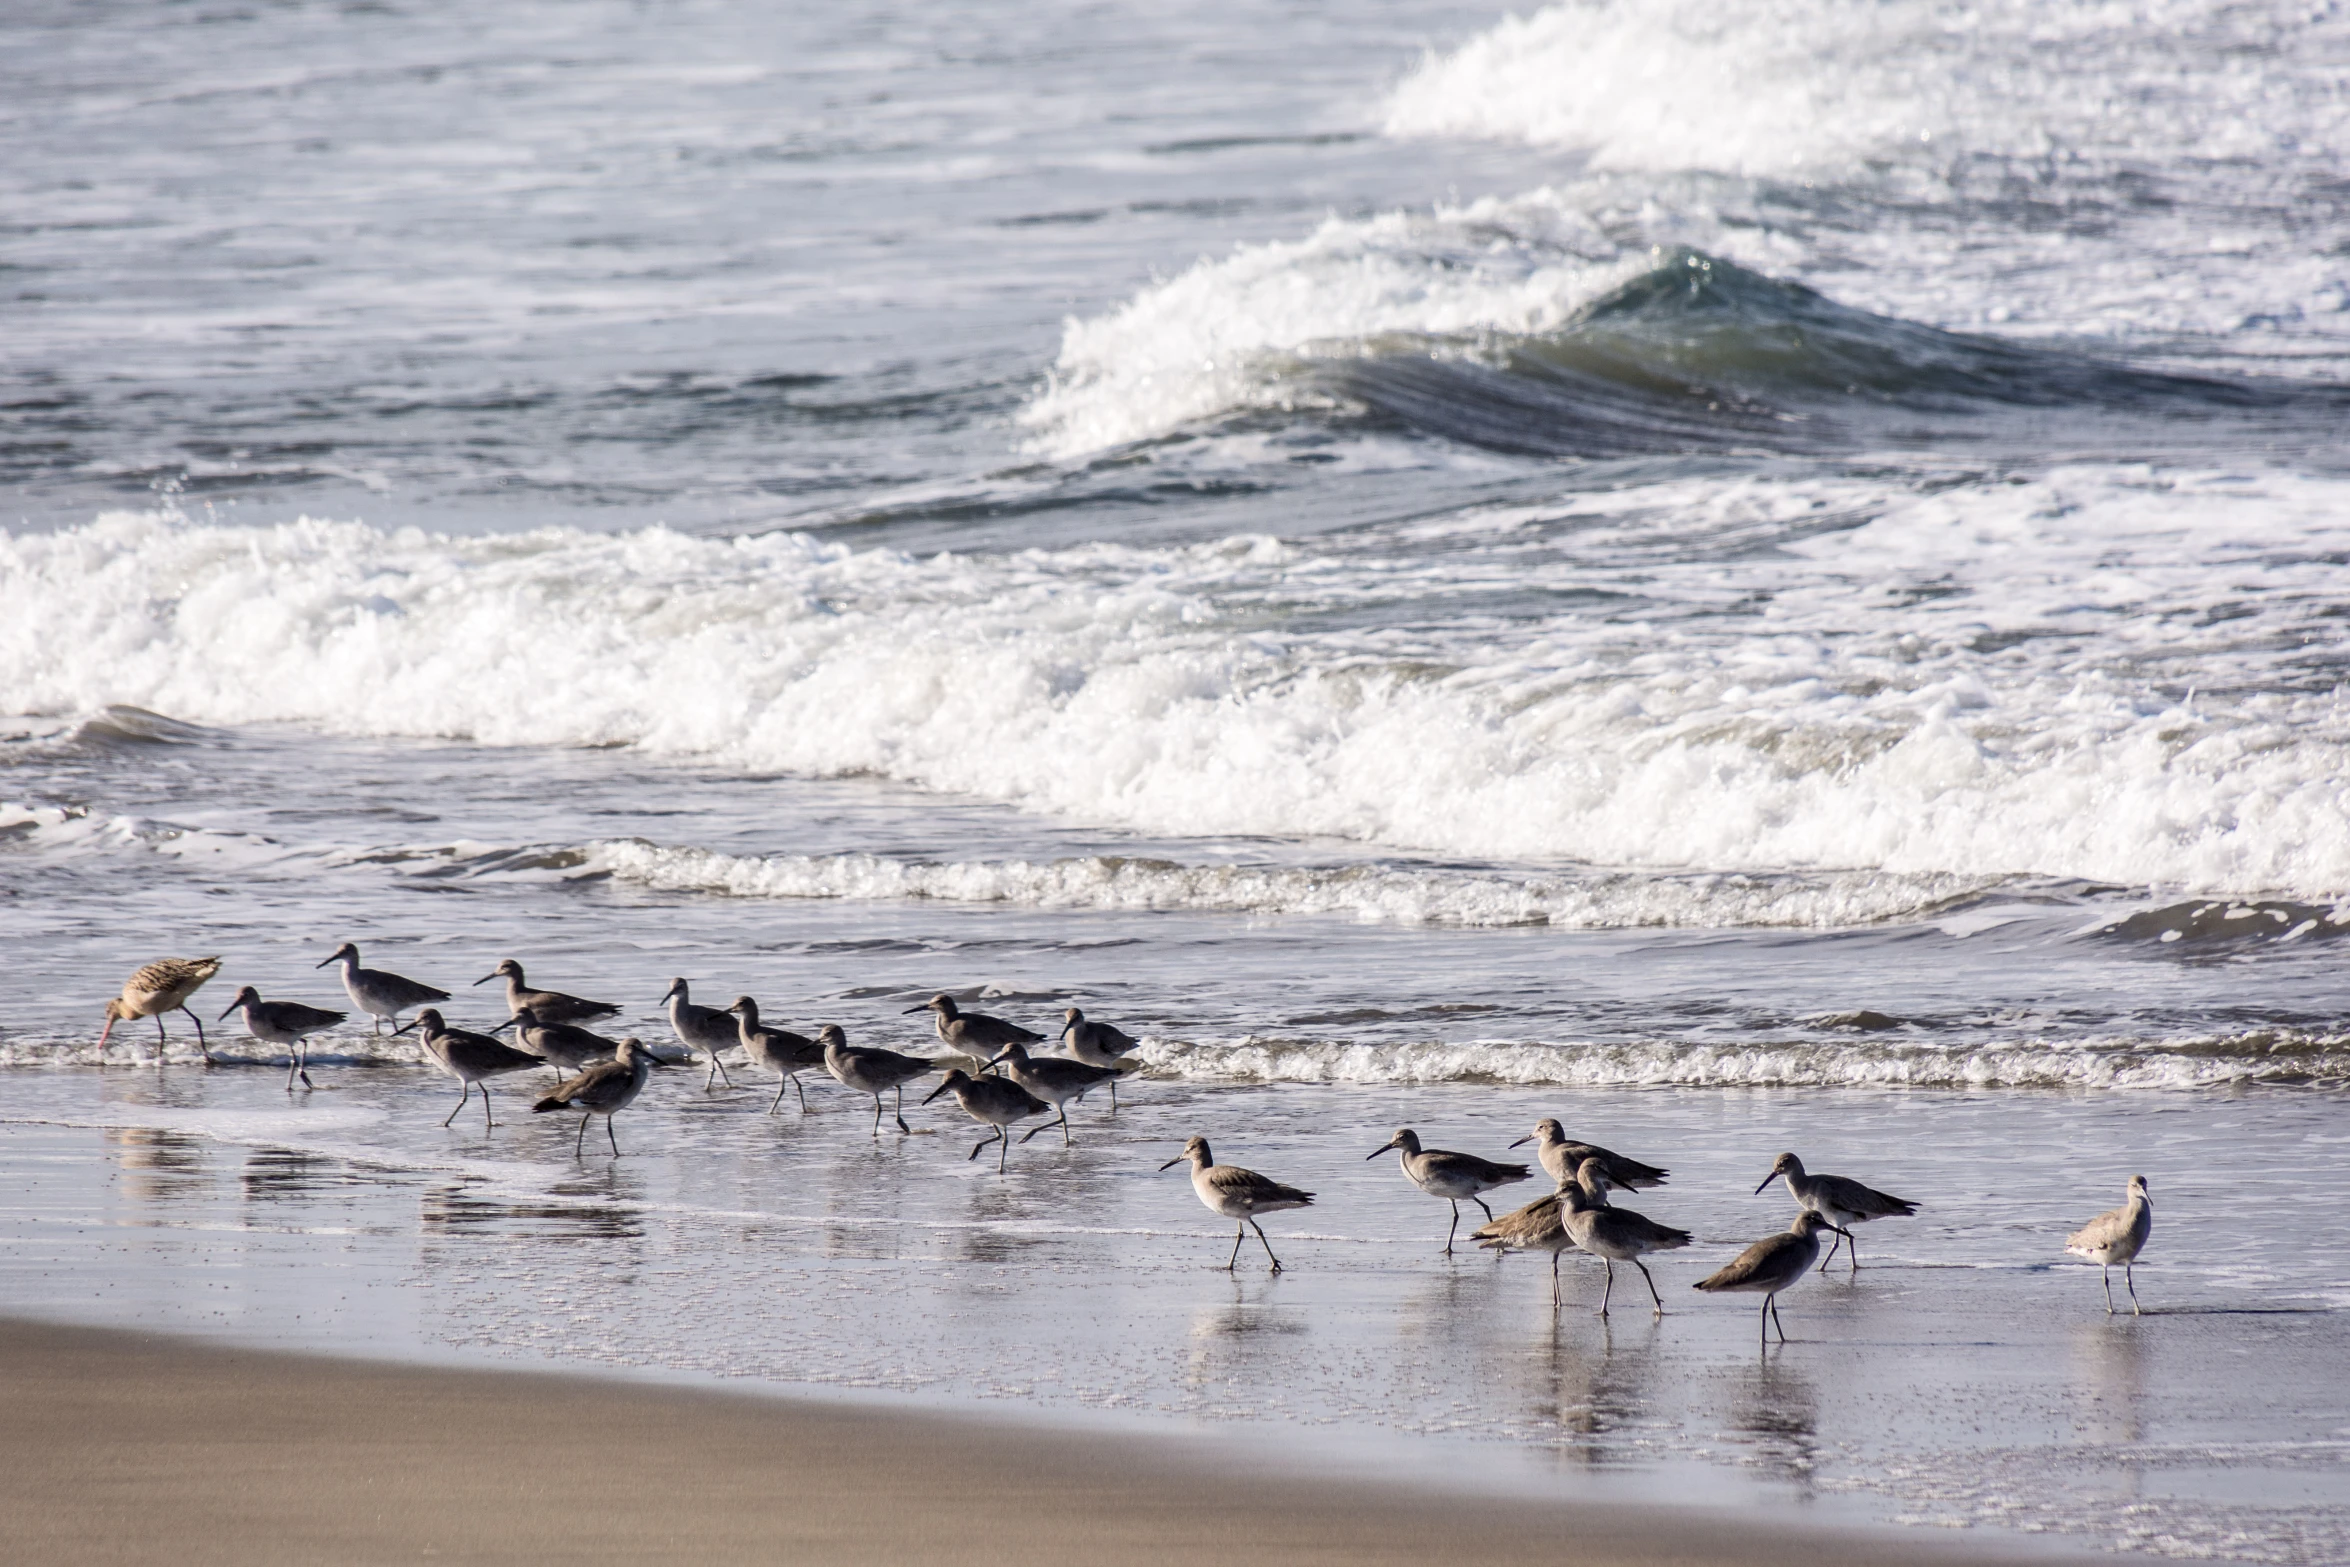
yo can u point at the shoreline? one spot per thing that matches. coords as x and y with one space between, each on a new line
126 1446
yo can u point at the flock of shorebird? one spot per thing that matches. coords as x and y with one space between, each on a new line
601 1077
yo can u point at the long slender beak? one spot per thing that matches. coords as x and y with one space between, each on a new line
1376 1152
323 962
404 1027
1774 1175
499 1028
1523 1141
1178 1159
485 979
934 1093
910 1011
1841 1230
232 1006
992 1061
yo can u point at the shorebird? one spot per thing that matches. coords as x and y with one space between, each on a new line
711 1030
778 1050
974 1034
605 1089
552 1006
2117 1235
378 993
1840 1201
870 1071
1098 1044
159 987
1561 1158
1059 1083
560 1045
1239 1195
1451 1176
284 1023
1539 1226
1614 1234
1770 1265
468 1057
994 1100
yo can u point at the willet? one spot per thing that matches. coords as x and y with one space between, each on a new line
1058 1082
552 1006
1451 1176
1614 1234
605 1089
2117 1235
468 1057
285 1023
378 993
778 1050
1539 1226
1098 1044
1770 1265
994 1100
710 1030
1238 1194
1841 1202
871 1071
1562 1158
974 1034
566 1048
159 987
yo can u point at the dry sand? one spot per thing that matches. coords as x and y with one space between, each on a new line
124 1447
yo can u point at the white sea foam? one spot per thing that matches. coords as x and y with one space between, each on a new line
1987 682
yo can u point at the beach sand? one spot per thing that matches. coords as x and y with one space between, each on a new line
124 1447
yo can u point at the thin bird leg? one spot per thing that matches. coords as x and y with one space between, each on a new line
293 1058
486 1122
1003 1148
1852 1251
1652 1294
1268 1245
982 1143
579 1143
1041 1126
710 1077
1113 1096
1766 1322
2130 1278
303 1045
200 1044
1554 1283
2105 1270
877 1118
797 1089
1772 1301
1608 1294
615 1140
162 1037
1456 1224
375 1025
1831 1256
1480 1202
778 1105
1065 1133
464 1092
900 1091
1239 1234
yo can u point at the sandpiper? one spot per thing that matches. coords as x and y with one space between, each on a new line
159 987
468 1057
974 1034
1238 1194
711 1030
1562 1158
1770 1265
1058 1082
1614 1234
996 1101
778 1050
566 1048
379 993
1840 1201
870 1071
552 1006
1098 1044
286 1023
1451 1176
605 1089
2117 1235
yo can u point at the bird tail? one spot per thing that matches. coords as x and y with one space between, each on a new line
544 1105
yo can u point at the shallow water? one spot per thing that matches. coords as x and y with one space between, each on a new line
1774 574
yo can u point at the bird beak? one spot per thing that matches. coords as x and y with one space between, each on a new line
1376 1152
323 962
934 1093
404 1027
995 1059
232 1006
1178 1159
1774 1175
499 1028
485 979
910 1011
1523 1141
1841 1230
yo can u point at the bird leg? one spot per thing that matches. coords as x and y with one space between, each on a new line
983 1142
1852 1251
1003 1148
1772 1300
1607 1294
779 1087
2106 1271
1260 1229
486 1122
1041 1126
2130 1279
1554 1283
464 1092
1113 1096
1831 1256
1456 1224
1480 1202
1065 1143
877 1118
613 1136
200 1044
1652 1294
1766 1322
162 1036
1239 1234
579 1143
797 1089
900 1091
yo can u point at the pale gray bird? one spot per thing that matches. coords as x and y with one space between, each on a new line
1770 1265
1561 1157
869 1070
468 1057
378 992
1840 1201
605 1089
1058 1082
2117 1235
974 1034
563 1046
552 1006
711 1030
1452 1176
776 1050
286 1023
1098 1044
1614 1234
996 1101
1239 1195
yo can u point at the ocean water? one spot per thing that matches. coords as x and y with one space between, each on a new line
1781 569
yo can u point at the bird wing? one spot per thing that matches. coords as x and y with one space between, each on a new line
1853 1197
1478 1169
572 1088
2100 1232
1520 1225
1754 1262
1233 1181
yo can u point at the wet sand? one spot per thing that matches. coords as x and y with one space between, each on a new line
129 1447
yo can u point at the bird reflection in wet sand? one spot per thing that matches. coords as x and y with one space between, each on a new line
1592 1394
156 1164
1241 1343
1776 1417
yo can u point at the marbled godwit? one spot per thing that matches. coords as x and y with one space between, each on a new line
777 1050
1770 1265
1238 1194
2117 1235
286 1023
379 993
1562 1158
871 1071
1098 1044
974 1034
1841 1202
1451 1176
605 1089
710 1030
1058 1082
1539 1226
468 1057
159 987
552 1006
996 1101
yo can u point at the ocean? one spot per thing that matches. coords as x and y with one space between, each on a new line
1741 576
